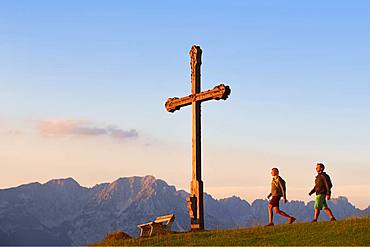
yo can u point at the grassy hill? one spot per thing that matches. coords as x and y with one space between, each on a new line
355 231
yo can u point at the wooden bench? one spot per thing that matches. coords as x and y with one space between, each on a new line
160 225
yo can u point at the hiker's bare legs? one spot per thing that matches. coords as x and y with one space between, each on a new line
282 213
316 214
270 213
328 211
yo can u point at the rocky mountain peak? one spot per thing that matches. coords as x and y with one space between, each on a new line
128 188
63 182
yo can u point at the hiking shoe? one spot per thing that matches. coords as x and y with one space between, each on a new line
270 224
291 220
314 221
333 219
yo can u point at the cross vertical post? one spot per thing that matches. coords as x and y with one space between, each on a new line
196 185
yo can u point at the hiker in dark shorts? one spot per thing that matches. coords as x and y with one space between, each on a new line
278 190
323 189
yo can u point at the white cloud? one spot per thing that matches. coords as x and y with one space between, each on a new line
68 127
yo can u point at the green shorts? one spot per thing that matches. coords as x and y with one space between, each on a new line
320 202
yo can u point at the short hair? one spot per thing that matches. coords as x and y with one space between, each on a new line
275 169
321 165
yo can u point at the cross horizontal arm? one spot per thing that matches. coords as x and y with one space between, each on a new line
219 92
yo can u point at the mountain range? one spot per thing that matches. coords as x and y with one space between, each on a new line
61 212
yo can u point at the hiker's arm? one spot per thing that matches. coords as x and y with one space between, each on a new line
328 192
312 191
282 191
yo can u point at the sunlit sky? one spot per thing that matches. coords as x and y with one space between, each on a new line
83 86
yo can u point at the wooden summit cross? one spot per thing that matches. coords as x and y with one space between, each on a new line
195 201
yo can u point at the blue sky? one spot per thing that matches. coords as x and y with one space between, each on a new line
299 74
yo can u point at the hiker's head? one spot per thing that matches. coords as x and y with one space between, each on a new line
320 167
274 171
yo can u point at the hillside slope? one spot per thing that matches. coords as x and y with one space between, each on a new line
355 231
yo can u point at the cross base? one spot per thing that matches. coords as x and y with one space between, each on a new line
196 228
195 205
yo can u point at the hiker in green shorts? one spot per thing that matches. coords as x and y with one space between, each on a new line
278 190
323 191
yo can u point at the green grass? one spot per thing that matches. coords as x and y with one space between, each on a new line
354 231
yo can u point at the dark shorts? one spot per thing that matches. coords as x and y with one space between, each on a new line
274 202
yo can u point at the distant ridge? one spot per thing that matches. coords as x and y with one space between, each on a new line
62 212
64 182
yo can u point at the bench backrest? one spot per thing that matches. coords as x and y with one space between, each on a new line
166 219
